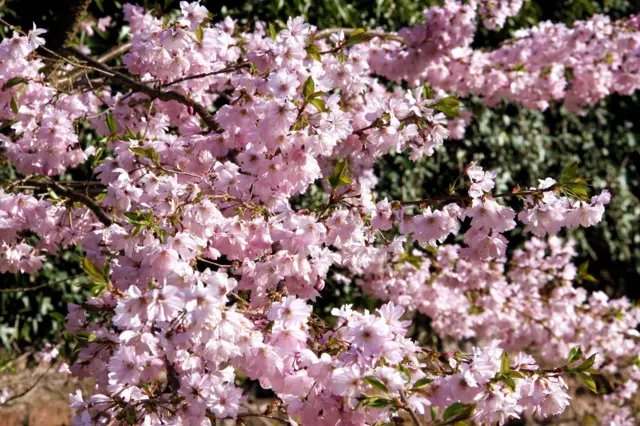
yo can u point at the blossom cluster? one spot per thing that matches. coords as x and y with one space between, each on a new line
206 270
581 63
529 301
44 119
495 13
30 228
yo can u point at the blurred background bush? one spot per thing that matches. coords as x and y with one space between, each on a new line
521 145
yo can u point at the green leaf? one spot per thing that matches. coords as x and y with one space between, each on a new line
137 230
13 82
14 105
434 412
130 134
475 310
135 218
92 270
377 402
111 124
546 71
584 275
583 268
272 31
587 364
405 371
98 289
516 375
508 382
85 336
97 157
313 52
588 381
199 34
458 411
574 354
449 105
422 383
340 175
5 365
57 316
569 172
609 58
576 189
319 104
376 383
356 36
504 364
308 88
147 152
427 92
411 259
106 272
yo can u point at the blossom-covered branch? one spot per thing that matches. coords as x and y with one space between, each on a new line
203 266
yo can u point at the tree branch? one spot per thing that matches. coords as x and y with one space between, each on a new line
347 31
29 389
89 202
37 287
207 74
105 57
95 208
127 81
408 408
523 193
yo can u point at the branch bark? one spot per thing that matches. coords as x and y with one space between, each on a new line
105 57
408 408
347 31
130 83
91 204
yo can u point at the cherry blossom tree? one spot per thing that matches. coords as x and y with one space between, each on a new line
205 271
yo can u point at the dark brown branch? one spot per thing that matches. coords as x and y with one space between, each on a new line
130 83
437 198
29 389
90 203
104 58
37 287
207 74
266 416
114 53
468 198
347 32
95 208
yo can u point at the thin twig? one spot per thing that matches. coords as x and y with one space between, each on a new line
453 197
127 81
90 203
408 408
37 287
29 389
285 421
347 31
207 74
105 57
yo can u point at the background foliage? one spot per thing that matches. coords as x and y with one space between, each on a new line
522 145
